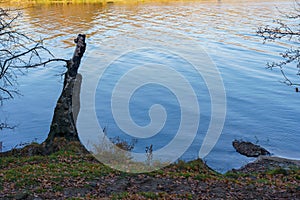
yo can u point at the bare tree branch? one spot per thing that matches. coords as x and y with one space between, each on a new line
6 126
18 51
7 92
290 31
42 63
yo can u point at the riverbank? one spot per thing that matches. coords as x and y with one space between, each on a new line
69 174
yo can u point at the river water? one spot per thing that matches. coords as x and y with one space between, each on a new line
259 108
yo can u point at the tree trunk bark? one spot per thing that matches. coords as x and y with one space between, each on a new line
64 119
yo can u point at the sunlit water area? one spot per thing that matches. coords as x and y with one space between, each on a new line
123 35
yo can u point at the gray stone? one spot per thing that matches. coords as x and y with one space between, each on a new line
249 149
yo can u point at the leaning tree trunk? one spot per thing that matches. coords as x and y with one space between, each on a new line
64 121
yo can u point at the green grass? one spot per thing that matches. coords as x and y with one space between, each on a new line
27 172
120 195
235 175
63 169
278 171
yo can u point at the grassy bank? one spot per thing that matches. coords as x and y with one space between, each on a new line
69 175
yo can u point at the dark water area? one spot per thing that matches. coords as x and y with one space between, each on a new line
259 108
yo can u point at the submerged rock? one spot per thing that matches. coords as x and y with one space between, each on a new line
249 149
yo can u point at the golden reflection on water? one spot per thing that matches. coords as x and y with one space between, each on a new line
60 22
206 20
102 2
56 21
